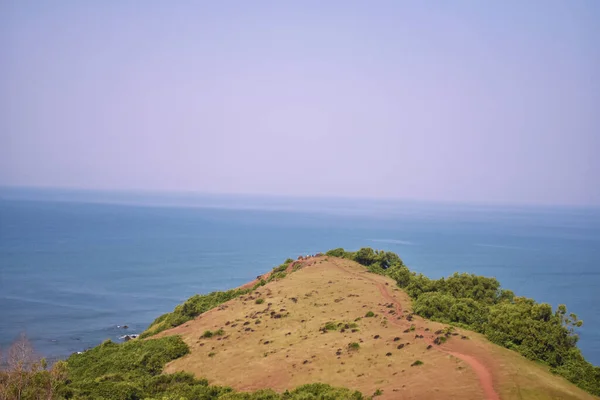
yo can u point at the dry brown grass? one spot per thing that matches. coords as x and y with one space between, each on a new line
287 348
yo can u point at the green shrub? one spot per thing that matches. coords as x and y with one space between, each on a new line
263 394
259 301
440 340
339 252
279 268
321 391
330 326
416 363
353 346
275 276
282 267
334 326
207 334
369 314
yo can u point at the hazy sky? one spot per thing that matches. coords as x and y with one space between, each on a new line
492 101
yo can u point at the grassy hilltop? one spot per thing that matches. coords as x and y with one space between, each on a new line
361 324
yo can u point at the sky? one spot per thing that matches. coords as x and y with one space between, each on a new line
461 101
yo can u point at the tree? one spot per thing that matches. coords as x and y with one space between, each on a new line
20 360
469 312
365 256
339 252
388 259
401 274
27 377
434 305
420 284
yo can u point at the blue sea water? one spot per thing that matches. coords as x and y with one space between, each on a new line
72 271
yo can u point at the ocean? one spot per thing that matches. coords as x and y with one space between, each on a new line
75 268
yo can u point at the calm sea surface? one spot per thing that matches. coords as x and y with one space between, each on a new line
71 272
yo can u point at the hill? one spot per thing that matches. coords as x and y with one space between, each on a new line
316 326
345 325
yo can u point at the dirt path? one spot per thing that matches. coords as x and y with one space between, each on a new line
482 372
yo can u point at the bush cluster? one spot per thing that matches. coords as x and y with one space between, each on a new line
334 326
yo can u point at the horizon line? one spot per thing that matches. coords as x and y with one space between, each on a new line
181 192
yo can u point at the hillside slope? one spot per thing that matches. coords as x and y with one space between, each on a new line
313 326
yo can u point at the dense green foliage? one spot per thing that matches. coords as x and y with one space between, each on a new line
313 391
478 303
131 370
375 260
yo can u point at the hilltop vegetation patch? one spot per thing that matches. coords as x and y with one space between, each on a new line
279 272
339 326
353 346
